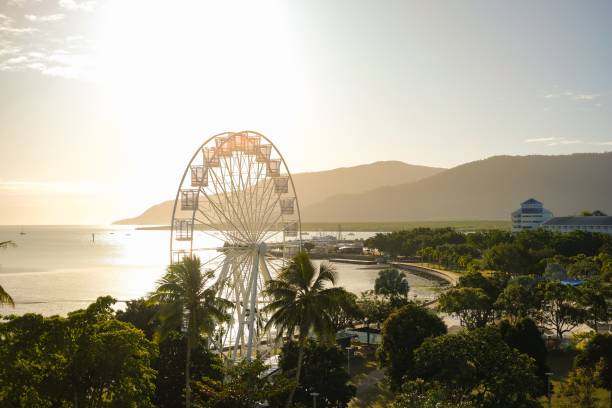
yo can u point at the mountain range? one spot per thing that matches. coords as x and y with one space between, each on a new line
314 187
488 189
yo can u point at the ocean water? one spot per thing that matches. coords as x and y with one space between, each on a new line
57 269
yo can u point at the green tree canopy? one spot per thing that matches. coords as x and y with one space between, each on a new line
478 364
599 348
245 386
186 296
143 314
471 305
402 333
302 301
525 337
170 365
87 359
518 300
392 284
508 257
324 371
560 310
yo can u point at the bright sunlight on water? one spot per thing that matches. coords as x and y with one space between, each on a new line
57 269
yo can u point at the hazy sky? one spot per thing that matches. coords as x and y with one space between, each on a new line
103 102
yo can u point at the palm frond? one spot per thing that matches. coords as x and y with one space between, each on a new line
5 298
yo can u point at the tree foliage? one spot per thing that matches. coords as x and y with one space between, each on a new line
392 284
560 308
402 333
578 389
88 359
170 366
324 371
525 337
472 306
245 386
421 394
478 364
186 297
302 302
5 298
598 351
518 300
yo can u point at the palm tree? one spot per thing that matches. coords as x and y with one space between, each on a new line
188 300
5 298
301 301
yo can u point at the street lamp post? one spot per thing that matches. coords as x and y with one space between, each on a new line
314 396
348 359
548 388
367 329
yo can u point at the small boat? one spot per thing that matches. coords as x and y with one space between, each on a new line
21 232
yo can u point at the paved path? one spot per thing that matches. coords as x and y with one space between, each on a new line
451 277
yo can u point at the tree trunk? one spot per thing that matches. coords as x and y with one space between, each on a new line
187 374
298 372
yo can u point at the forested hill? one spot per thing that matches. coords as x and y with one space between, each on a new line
316 186
484 189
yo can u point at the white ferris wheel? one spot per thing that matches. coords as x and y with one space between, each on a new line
236 208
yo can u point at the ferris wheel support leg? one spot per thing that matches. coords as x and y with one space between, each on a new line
253 294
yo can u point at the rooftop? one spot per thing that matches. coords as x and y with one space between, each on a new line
531 201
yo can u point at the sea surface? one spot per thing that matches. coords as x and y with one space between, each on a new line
58 269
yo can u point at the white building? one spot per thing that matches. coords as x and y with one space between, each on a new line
531 214
594 223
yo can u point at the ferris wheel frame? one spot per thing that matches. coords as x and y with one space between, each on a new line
247 257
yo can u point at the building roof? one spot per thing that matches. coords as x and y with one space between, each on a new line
531 201
578 220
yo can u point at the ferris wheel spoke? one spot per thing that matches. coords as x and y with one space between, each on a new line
227 204
223 222
268 224
263 209
248 187
225 233
256 198
217 204
270 234
237 209
235 197
267 207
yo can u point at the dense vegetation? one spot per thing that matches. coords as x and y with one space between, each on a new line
514 289
576 254
512 300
